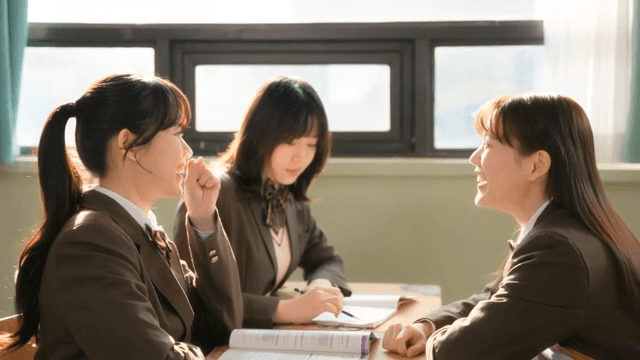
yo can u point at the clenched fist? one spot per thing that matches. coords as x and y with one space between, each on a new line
201 189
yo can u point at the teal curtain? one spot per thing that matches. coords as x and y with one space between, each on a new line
13 40
632 136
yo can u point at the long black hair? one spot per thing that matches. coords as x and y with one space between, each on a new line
283 109
111 104
559 126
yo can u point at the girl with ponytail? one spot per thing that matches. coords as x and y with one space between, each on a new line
99 279
572 278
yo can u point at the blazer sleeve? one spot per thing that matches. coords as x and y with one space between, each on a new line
540 301
446 315
180 237
258 309
101 296
215 287
319 259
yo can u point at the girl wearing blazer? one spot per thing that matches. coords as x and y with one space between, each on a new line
100 280
572 277
283 144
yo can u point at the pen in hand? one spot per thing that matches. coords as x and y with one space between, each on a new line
344 312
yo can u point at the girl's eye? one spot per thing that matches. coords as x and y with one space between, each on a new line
313 145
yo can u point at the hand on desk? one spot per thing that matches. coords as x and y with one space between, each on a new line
408 340
313 302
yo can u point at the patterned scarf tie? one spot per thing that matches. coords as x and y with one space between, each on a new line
160 240
276 200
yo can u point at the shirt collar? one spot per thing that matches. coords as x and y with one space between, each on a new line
138 215
532 221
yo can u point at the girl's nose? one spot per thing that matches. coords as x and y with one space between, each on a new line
186 149
473 159
298 152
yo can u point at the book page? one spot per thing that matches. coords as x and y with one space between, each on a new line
389 301
366 317
372 300
236 354
306 341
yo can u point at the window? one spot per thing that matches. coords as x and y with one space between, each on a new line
52 76
358 82
390 89
277 11
348 92
468 76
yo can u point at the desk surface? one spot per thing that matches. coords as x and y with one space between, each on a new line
428 298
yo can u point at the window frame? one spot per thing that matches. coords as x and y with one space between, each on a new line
408 48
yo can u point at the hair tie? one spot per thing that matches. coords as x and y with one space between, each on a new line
68 110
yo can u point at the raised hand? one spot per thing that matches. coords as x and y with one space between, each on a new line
201 189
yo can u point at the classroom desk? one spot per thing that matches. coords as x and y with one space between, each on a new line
428 298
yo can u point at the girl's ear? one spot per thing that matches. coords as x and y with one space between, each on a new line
541 163
124 138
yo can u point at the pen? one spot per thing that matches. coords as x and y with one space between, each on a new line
344 312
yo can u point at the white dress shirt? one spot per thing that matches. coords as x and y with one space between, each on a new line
532 221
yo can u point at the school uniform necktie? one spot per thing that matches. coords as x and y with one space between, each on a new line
160 240
276 200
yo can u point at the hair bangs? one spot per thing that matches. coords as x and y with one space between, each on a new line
490 120
176 110
166 106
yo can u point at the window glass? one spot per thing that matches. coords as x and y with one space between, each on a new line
52 76
356 97
468 76
277 11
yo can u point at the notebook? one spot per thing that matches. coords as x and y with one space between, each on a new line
369 310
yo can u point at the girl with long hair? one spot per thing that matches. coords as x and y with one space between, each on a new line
99 279
572 278
282 145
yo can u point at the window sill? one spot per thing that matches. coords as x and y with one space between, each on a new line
447 168
396 168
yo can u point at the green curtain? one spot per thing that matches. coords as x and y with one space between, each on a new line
632 136
13 40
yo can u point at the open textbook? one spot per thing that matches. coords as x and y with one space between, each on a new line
369 310
256 344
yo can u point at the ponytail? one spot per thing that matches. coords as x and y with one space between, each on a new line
61 189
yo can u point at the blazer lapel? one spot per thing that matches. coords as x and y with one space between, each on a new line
265 233
294 244
155 265
164 278
292 227
176 267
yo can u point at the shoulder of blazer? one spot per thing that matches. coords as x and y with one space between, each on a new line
231 193
82 228
562 223
99 212
563 226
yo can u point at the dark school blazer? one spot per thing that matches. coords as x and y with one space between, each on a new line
242 218
108 293
558 286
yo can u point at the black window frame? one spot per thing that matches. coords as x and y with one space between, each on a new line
407 47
